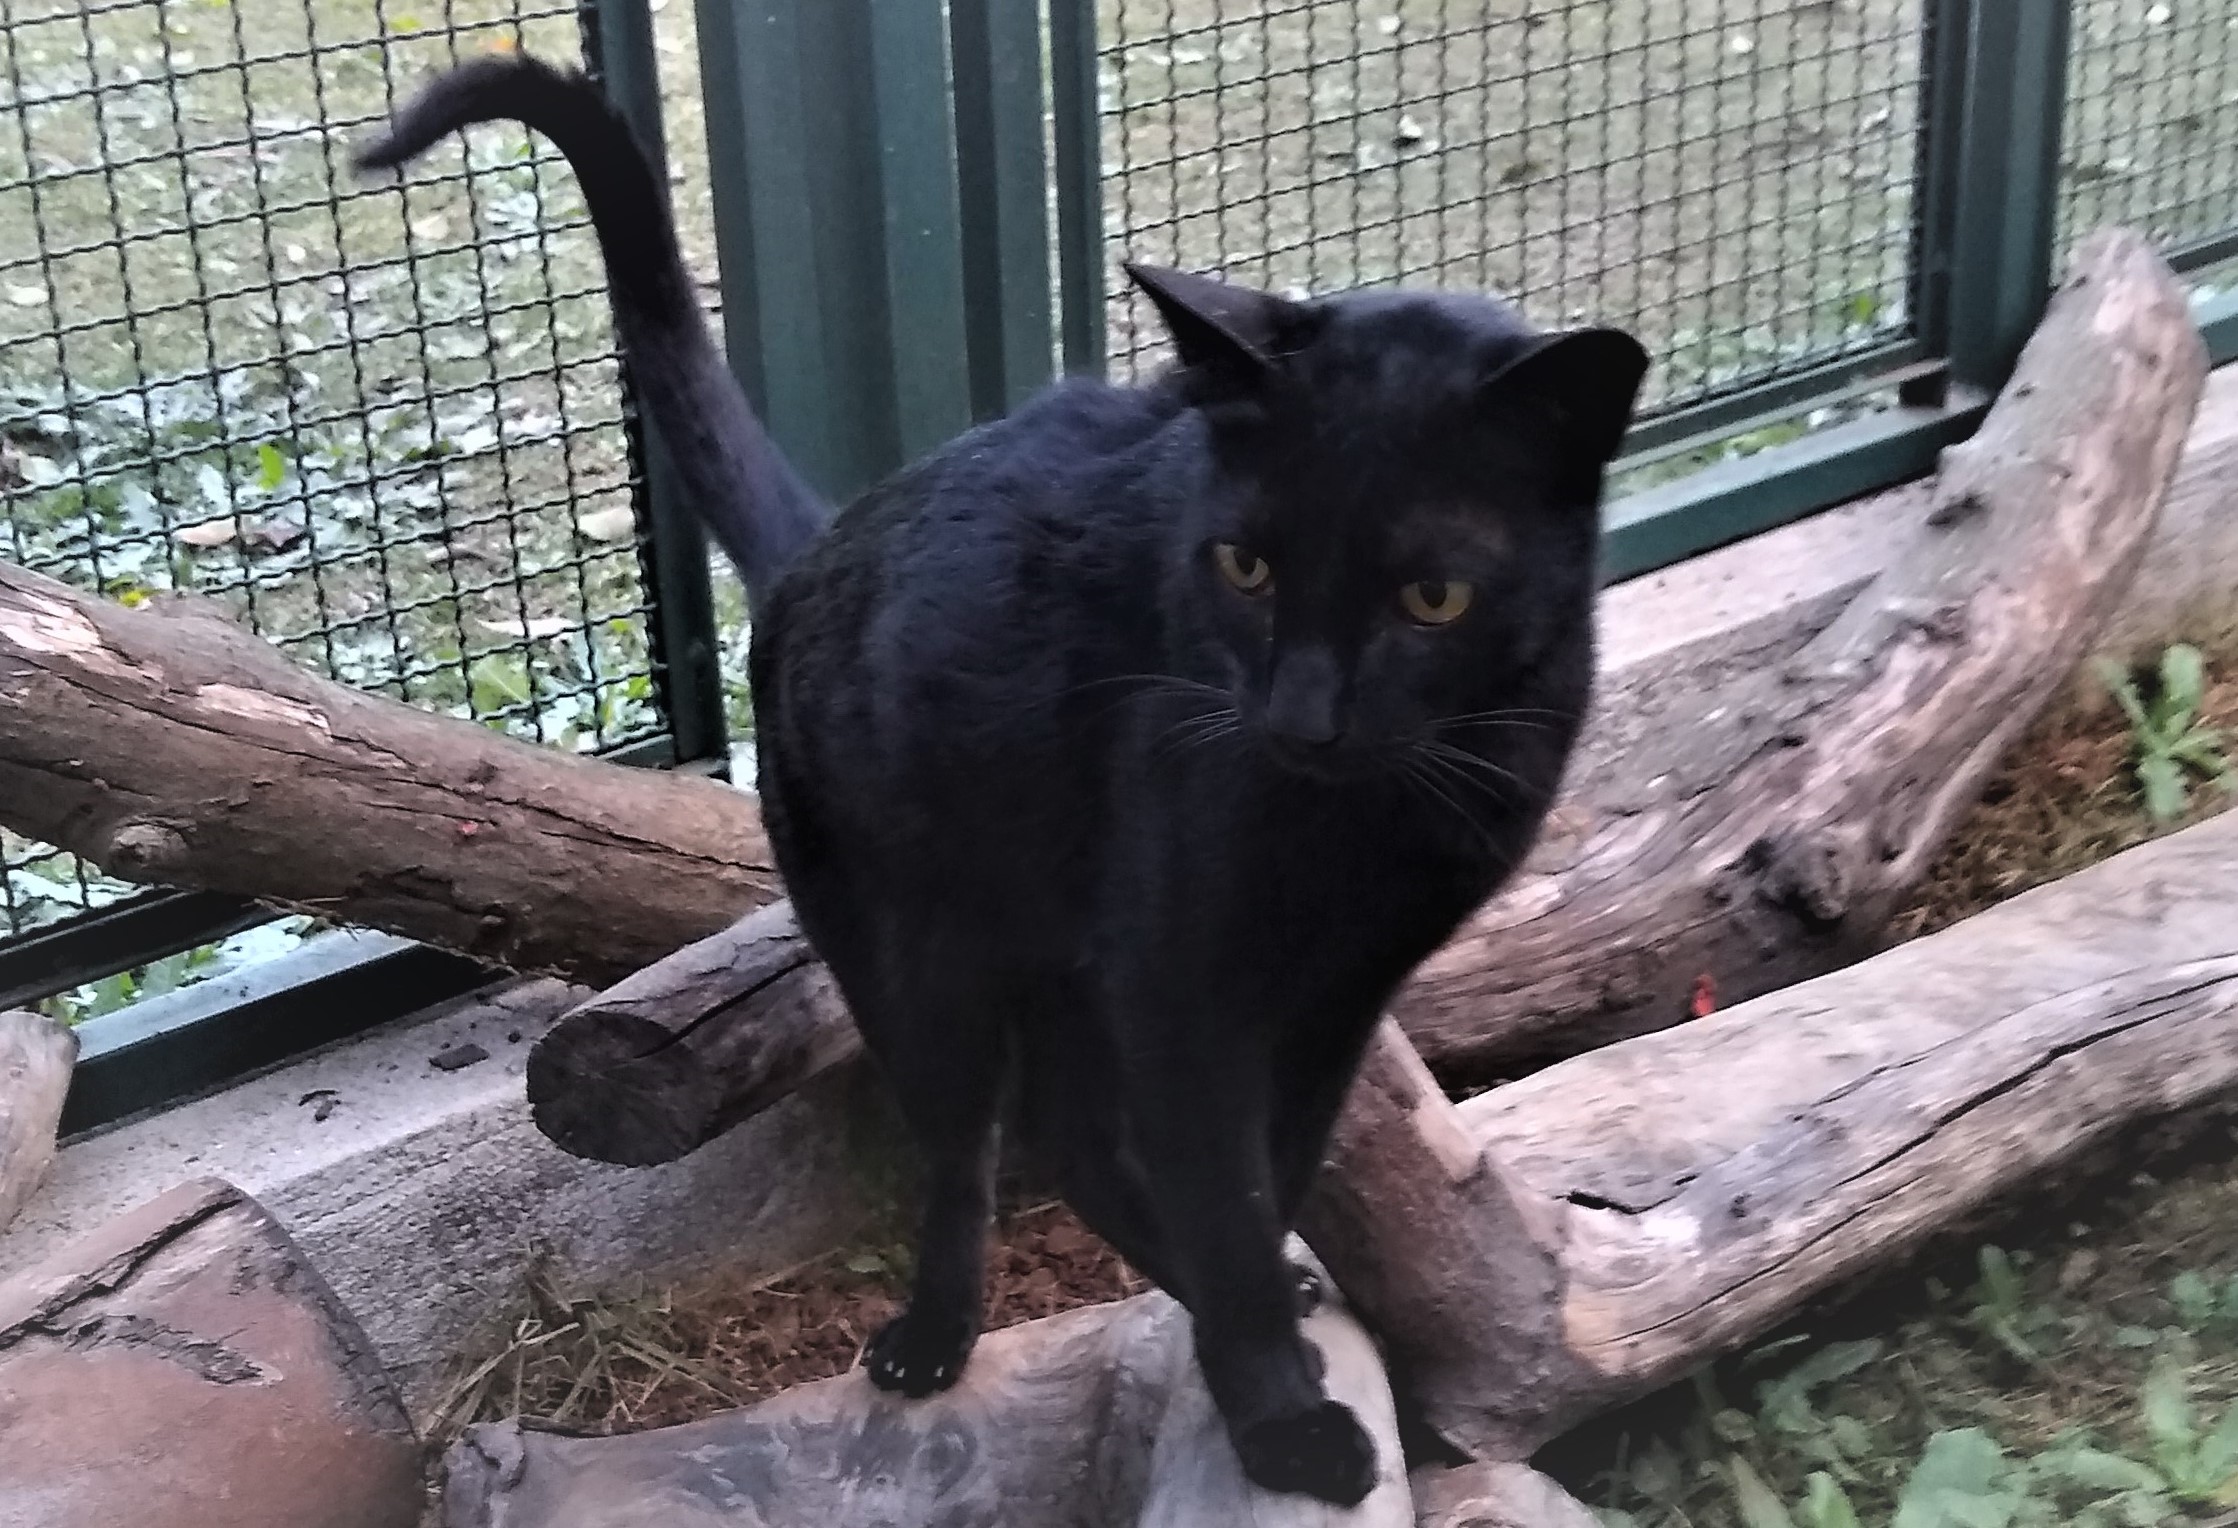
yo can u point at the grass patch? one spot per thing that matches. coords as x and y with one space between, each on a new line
2083 1372
2066 796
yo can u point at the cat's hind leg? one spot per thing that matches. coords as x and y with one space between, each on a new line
945 1059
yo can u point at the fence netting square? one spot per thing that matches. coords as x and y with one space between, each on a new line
1731 179
381 424
2151 134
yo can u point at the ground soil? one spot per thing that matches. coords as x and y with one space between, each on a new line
670 1355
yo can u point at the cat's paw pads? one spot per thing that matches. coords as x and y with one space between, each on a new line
1307 1289
916 1356
1321 1452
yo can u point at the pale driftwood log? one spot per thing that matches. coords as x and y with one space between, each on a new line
185 1366
1758 835
1092 1419
168 745
1495 1495
36 1057
1565 1243
1765 832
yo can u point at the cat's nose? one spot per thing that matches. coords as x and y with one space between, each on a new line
1305 701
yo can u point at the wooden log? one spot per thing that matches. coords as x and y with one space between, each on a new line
1586 1235
168 745
185 1366
1495 1495
36 1057
679 1053
1092 1419
1761 835
1764 832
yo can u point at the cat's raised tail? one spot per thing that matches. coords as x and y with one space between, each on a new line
735 478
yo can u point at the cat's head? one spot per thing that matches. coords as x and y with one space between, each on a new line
1399 536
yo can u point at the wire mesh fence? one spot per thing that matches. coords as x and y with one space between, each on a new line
1732 179
2151 137
381 424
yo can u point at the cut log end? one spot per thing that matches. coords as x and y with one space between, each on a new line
668 1060
189 1351
615 1087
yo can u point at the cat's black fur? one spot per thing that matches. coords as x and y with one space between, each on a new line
1057 801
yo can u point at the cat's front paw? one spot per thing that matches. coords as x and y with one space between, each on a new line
916 1354
1321 1452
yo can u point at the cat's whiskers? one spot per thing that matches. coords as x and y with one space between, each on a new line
1143 685
1197 731
1527 720
1475 769
1412 770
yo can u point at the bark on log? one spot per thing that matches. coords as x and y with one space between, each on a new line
184 1365
1589 1234
1772 826
36 1056
168 745
1092 1419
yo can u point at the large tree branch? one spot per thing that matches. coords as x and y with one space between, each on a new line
1578 1239
1765 831
168 745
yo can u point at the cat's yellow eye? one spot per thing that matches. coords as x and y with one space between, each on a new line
1435 601
1245 569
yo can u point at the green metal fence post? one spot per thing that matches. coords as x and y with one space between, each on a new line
1997 74
925 349
832 150
687 660
1077 142
1002 168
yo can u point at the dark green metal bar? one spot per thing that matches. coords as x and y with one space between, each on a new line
1996 90
760 152
686 648
131 933
203 1037
1002 175
1883 366
1076 137
2218 326
1655 528
925 347
2205 252
832 150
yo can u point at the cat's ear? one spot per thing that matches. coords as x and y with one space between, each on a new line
1587 379
1217 325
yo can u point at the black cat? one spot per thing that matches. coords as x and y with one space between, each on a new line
1138 745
